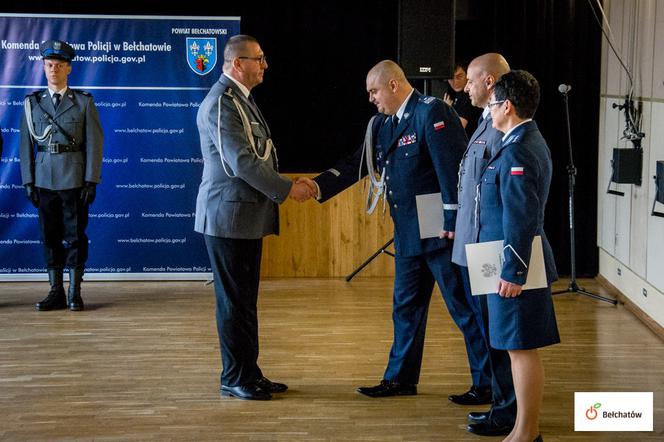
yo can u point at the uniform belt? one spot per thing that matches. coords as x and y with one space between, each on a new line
59 148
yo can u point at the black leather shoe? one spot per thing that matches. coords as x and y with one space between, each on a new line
388 388
249 392
489 427
474 396
478 416
272 387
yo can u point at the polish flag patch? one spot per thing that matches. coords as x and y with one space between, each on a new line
516 171
438 126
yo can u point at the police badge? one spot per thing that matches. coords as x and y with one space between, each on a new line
202 54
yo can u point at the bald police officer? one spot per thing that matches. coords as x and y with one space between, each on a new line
61 155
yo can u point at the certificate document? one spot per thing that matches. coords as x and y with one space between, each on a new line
485 263
429 214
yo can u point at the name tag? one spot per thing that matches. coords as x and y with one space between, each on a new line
479 142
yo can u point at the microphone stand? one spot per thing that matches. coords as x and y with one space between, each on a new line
573 286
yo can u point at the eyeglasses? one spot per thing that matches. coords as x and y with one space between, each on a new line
495 103
262 59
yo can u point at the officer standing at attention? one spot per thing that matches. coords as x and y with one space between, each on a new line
483 72
512 194
61 179
415 142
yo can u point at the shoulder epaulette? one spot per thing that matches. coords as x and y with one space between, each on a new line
78 91
35 94
427 99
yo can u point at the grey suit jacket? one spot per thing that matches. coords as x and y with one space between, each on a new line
484 141
246 205
77 115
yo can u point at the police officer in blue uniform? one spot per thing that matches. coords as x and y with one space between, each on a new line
483 72
513 191
61 177
416 145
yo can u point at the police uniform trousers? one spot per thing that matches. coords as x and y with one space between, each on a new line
236 269
525 322
63 218
413 285
502 385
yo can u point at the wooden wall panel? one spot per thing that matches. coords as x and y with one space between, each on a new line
329 239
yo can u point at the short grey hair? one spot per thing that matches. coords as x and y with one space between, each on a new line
235 47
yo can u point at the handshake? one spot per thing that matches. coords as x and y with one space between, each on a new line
303 189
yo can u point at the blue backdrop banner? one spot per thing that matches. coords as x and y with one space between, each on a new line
148 76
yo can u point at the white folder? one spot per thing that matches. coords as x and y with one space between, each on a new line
429 214
485 263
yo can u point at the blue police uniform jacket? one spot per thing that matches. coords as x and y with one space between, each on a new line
512 195
419 156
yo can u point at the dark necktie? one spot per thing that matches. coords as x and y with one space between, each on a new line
56 100
393 127
258 112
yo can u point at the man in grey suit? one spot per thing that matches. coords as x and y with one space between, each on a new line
237 205
483 72
61 179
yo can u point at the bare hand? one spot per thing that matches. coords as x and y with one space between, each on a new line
446 234
508 289
447 99
310 183
300 191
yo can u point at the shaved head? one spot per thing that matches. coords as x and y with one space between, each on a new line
483 72
385 71
491 64
387 86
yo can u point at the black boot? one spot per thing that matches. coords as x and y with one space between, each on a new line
56 296
74 299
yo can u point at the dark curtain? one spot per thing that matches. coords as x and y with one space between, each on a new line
558 42
319 52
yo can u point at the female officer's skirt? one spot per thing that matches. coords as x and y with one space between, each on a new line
522 323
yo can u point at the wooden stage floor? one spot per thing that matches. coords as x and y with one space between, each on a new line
142 363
